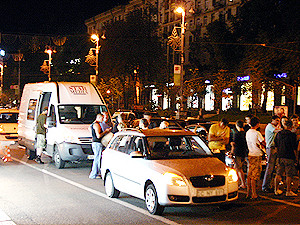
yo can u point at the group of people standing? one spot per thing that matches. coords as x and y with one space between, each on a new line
247 144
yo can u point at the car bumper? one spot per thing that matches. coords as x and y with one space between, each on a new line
190 195
75 152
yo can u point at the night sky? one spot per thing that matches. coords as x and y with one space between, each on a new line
50 17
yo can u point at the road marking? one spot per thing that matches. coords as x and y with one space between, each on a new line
5 219
135 208
276 200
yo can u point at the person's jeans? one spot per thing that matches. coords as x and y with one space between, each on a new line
272 156
97 149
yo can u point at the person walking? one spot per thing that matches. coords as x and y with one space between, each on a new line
97 134
296 130
106 121
270 132
120 123
143 124
296 127
286 144
254 139
239 150
247 120
218 137
148 117
41 129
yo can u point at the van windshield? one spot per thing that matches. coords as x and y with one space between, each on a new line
9 117
79 114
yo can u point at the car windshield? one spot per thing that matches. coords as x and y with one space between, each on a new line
9 117
79 114
166 147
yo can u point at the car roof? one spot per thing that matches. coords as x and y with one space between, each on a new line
9 111
158 132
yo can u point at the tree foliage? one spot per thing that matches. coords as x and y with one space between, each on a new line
133 44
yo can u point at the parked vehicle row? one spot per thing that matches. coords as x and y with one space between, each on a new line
165 167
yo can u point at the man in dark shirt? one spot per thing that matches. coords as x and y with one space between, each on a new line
41 134
286 144
239 150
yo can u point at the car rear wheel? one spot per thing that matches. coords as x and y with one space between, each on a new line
152 202
110 189
59 163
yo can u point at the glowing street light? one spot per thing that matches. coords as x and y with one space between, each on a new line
1 78
49 52
182 12
95 39
2 54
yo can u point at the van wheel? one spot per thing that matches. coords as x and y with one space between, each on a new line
151 201
110 189
59 163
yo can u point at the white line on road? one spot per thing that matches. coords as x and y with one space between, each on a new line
135 208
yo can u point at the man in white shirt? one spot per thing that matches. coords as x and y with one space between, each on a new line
254 139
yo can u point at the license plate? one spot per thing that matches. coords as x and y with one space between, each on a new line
90 157
208 193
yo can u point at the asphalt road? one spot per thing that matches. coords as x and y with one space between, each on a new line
31 193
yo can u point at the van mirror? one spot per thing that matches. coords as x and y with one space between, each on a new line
50 122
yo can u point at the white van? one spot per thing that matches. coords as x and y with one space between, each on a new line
72 107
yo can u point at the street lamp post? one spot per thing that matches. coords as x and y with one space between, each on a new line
2 54
49 52
182 12
112 98
1 75
95 39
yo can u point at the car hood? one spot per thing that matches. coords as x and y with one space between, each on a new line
191 167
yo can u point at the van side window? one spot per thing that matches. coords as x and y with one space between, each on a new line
44 100
31 109
52 116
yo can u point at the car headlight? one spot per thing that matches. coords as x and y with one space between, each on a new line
1 128
232 176
174 179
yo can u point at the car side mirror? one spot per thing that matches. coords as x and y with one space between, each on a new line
136 154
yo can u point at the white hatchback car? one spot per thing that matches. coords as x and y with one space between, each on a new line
166 167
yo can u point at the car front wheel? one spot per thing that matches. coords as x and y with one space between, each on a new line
110 189
152 202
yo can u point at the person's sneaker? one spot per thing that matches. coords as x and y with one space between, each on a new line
278 192
291 194
38 160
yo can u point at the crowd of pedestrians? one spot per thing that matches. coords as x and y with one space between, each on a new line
248 145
